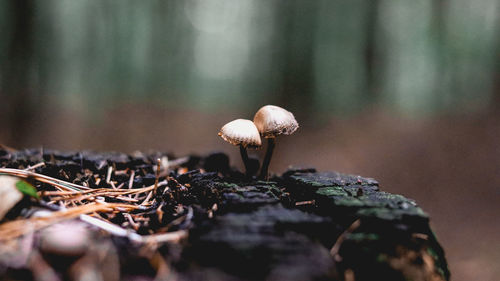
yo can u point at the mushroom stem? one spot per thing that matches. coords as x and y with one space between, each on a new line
267 158
244 156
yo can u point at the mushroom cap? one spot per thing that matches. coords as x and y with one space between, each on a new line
66 239
272 121
241 132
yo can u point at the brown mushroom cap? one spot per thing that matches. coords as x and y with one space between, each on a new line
241 132
272 121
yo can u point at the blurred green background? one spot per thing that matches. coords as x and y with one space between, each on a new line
407 92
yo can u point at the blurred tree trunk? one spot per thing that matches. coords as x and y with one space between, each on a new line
370 49
17 106
297 28
496 79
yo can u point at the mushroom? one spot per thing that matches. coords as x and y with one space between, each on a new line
243 133
272 121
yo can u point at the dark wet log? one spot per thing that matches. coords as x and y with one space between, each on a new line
303 225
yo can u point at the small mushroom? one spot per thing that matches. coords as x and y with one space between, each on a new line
243 133
65 239
272 121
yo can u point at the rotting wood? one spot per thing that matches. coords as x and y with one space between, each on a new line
222 225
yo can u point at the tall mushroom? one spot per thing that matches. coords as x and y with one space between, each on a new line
272 121
243 133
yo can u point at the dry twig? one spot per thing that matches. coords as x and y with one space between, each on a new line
334 252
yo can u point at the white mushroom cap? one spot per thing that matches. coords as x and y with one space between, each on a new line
241 132
272 121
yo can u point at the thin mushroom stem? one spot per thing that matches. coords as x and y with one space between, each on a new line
267 158
244 156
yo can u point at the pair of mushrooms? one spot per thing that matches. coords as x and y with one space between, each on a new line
270 121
